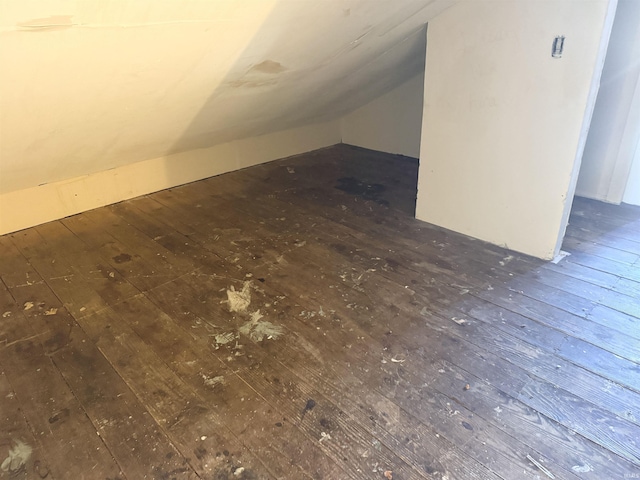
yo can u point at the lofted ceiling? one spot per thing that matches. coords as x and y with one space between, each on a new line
90 85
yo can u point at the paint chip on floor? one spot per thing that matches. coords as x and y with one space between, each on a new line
506 260
239 301
213 381
224 338
18 456
257 329
561 255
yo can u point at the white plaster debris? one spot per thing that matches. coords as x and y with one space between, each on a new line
324 436
450 411
239 301
307 314
398 360
561 255
506 260
18 456
238 471
213 381
257 329
224 338
28 305
497 410
203 438
459 321
6 314
51 311
291 170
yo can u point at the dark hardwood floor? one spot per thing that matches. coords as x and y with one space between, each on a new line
292 320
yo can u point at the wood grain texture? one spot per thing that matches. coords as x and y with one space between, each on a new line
292 320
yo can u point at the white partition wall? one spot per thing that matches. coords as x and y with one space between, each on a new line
390 123
615 129
504 122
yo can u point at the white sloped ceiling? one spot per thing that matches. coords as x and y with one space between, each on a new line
90 85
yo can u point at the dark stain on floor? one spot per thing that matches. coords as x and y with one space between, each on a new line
368 191
122 258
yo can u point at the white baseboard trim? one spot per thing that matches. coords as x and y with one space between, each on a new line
36 205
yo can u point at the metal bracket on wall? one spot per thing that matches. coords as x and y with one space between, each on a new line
558 46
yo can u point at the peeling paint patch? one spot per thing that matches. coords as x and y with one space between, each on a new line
257 329
213 381
17 458
224 338
239 301
268 66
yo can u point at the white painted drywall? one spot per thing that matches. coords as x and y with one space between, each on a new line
93 85
390 123
503 121
67 197
615 128
632 190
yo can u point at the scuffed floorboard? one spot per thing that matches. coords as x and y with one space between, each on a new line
292 320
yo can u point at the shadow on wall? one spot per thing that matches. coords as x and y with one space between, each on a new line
284 70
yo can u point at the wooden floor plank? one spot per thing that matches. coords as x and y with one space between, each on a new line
457 463
174 288
192 425
203 314
392 348
624 411
21 453
308 284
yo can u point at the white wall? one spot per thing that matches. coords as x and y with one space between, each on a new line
92 85
615 128
32 206
390 123
104 100
632 191
503 121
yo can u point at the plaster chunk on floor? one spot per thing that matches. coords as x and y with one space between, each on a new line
239 301
18 456
257 329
